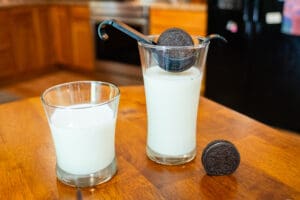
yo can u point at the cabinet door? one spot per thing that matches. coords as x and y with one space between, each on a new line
7 65
82 39
43 30
192 21
24 39
61 34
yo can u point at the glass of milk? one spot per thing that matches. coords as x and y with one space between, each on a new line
172 102
82 118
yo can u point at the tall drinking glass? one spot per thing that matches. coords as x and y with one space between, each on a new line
172 97
82 118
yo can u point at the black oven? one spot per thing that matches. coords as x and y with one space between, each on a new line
119 47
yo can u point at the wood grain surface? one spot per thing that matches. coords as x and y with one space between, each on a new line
269 166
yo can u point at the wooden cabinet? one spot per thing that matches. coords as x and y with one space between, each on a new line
190 19
34 38
7 66
72 36
61 34
44 36
82 38
25 40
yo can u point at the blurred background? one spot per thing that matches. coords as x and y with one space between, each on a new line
257 73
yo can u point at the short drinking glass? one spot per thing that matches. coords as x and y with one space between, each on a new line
82 118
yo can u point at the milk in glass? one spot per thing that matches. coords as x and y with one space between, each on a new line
83 137
172 105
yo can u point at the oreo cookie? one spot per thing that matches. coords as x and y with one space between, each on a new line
175 59
220 157
175 37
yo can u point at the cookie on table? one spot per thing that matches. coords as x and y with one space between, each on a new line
220 157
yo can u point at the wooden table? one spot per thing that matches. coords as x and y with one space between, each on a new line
269 169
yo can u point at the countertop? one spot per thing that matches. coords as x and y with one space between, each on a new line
269 167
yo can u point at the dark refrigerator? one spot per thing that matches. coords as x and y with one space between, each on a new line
257 72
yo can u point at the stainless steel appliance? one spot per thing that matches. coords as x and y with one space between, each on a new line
119 47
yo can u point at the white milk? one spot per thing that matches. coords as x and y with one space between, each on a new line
172 105
83 138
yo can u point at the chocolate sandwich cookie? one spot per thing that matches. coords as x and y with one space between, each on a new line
175 37
175 59
220 157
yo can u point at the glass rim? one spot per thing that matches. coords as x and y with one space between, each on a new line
45 102
202 44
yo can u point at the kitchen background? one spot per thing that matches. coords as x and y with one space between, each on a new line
45 42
